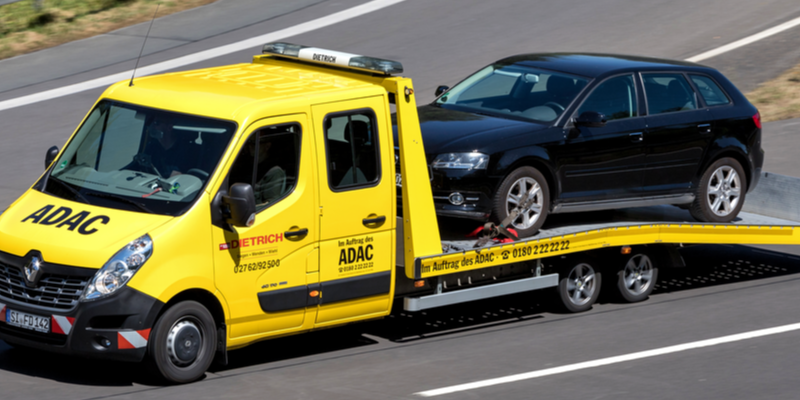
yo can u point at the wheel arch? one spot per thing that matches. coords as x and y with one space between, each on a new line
538 163
735 153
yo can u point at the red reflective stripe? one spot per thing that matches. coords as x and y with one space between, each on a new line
145 333
55 326
122 343
3 313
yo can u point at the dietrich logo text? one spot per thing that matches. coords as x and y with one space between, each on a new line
252 241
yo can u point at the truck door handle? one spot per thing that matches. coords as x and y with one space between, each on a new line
636 137
704 128
374 221
297 233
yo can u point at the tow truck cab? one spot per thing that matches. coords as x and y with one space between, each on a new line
200 211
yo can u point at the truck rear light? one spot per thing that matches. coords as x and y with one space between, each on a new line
757 120
625 250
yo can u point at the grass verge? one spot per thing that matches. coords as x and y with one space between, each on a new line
779 98
24 28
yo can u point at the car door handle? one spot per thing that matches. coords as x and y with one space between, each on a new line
704 128
297 233
636 137
374 221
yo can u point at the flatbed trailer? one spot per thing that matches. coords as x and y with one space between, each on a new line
768 218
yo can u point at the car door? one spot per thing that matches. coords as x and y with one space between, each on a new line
607 162
678 133
357 208
265 272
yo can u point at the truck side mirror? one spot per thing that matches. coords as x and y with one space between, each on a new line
591 119
441 89
241 205
51 155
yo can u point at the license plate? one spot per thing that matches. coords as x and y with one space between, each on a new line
28 321
398 180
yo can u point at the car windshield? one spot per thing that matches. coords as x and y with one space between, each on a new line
513 91
141 159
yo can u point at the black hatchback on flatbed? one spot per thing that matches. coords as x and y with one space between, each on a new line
580 132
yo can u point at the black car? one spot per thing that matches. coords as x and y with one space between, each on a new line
581 132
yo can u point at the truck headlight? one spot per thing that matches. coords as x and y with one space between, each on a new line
119 269
466 161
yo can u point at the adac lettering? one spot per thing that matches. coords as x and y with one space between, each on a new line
64 217
352 254
252 241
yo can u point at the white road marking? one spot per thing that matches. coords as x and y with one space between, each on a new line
744 42
610 360
305 27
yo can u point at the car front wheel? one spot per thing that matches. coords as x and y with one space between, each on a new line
721 193
512 194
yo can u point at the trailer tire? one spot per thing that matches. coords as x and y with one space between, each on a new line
523 179
721 193
579 286
637 278
183 343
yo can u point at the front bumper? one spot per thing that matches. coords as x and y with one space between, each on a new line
113 328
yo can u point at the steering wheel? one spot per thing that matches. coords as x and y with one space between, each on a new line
555 106
203 175
144 160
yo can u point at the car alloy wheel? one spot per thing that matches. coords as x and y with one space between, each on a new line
724 191
637 278
530 215
525 187
579 286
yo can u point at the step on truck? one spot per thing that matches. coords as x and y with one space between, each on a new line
196 212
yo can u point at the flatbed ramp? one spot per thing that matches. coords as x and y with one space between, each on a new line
771 215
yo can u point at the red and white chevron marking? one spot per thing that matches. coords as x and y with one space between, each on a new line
62 325
132 339
2 312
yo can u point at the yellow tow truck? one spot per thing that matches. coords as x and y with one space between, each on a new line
196 212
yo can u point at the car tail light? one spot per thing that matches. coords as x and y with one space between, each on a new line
757 120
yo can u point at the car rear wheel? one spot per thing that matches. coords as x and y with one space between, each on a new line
522 181
721 193
183 342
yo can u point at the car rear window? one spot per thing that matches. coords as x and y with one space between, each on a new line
667 93
712 94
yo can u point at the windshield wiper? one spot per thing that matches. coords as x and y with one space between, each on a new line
122 199
70 188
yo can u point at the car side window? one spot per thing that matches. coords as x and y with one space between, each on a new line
667 93
615 98
712 94
352 150
269 161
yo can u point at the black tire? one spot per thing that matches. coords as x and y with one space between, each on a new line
191 326
733 192
510 187
637 278
579 286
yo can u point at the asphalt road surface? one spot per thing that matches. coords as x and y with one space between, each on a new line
723 290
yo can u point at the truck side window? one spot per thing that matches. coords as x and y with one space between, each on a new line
352 149
269 161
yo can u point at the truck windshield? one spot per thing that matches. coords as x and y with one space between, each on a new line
139 159
515 92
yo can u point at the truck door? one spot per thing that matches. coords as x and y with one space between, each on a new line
266 271
357 204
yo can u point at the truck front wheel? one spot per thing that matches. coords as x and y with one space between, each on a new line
183 342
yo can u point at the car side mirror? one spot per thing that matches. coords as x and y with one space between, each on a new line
591 119
441 89
51 155
241 204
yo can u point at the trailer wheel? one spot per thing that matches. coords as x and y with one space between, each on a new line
183 342
636 280
519 182
579 286
720 195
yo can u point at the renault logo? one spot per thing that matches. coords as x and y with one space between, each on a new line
32 270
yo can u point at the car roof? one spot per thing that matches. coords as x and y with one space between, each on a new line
594 65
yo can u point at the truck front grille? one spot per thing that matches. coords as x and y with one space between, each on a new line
54 291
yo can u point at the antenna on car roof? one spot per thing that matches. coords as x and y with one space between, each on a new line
143 43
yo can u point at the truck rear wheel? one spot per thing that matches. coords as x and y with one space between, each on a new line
579 286
183 342
637 278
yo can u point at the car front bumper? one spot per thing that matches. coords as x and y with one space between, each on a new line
112 328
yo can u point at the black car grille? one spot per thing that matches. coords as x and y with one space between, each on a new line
54 291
